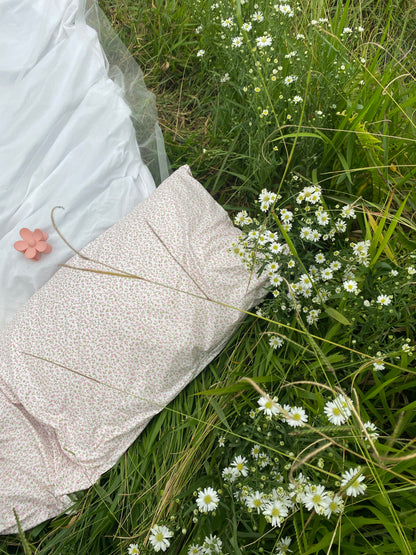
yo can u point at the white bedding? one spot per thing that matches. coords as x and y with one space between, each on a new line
66 139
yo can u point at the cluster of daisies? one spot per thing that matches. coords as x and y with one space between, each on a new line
311 266
280 63
259 481
295 247
246 476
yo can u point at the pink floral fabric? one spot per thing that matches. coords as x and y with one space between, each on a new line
92 357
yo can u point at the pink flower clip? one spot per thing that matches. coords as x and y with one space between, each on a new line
33 244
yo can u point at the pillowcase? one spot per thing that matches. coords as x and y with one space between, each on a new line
92 357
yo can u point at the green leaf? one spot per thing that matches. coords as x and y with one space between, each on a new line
337 316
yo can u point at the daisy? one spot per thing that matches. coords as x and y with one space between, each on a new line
323 218
276 342
372 431
255 501
313 316
348 212
257 16
305 233
230 474
384 300
263 41
320 258
275 511
228 22
378 365
195 550
207 500
246 26
297 416
326 274
335 265
353 479
133 549
335 414
290 79
283 546
350 286
315 498
286 10
239 463
255 452
267 406
212 544
333 505
237 42
159 538
200 53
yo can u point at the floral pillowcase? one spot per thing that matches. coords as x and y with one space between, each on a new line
110 340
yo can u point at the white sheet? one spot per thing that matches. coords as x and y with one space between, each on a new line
66 139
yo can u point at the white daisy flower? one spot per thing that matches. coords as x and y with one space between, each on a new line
263 41
326 274
335 413
230 474
354 480
257 16
283 546
255 501
160 537
207 500
133 549
348 212
351 286
195 550
335 265
315 498
239 463
276 342
297 416
237 42
333 505
246 26
346 31
378 365
255 451
228 22
384 300
372 431
290 79
267 406
200 53
275 512
285 9
212 545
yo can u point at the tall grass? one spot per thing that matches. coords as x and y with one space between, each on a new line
360 149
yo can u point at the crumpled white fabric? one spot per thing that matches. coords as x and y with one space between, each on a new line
66 139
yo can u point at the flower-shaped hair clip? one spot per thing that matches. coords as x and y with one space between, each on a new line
33 244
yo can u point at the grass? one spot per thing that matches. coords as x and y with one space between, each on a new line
363 151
